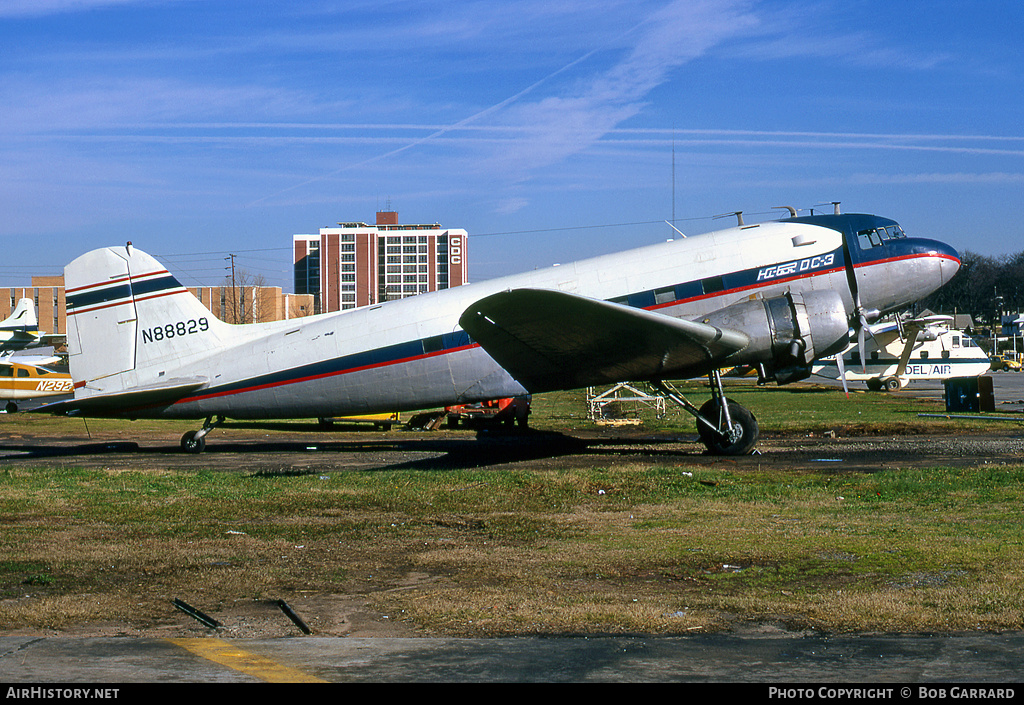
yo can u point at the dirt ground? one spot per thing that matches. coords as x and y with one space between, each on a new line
300 448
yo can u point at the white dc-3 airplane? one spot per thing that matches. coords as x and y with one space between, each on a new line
777 295
20 330
902 351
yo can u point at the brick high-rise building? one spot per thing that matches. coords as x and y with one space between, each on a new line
357 264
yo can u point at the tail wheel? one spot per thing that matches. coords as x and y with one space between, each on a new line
739 440
191 444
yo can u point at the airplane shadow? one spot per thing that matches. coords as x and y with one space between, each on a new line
272 457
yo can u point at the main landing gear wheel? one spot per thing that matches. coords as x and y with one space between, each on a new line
737 438
725 429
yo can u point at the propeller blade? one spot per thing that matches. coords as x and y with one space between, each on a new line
842 373
861 330
851 275
858 319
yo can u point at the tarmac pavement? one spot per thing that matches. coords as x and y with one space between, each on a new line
1007 388
766 659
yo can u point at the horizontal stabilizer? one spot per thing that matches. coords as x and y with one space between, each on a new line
551 340
52 340
122 403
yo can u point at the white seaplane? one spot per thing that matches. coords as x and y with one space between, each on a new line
898 352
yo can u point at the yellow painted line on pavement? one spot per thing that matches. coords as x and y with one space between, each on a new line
224 653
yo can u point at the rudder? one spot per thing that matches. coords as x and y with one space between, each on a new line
128 314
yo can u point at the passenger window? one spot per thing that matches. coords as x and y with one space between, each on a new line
924 354
712 285
23 373
956 341
664 296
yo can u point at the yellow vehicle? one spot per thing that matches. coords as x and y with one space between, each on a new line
30 379
1000 362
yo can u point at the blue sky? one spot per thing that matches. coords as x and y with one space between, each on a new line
548 130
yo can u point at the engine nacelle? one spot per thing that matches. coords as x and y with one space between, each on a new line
787 333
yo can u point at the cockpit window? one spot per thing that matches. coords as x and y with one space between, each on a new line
874 237
868 239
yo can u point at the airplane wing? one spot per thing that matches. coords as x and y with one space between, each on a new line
24 340
121 403
52 339
18 340
553 340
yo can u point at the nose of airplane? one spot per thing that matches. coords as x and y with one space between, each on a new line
948 258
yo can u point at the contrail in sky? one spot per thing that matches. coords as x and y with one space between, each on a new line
433 135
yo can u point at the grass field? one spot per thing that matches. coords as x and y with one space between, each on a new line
603 550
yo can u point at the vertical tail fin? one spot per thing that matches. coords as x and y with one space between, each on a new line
23 317
128 317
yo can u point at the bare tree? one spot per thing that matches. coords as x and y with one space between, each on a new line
243 300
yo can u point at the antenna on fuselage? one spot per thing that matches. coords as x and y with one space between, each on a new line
681 233
835 207
791 209
738 214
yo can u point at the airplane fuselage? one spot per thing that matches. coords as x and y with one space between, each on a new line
412 353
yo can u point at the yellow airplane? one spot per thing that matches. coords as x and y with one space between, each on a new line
32 377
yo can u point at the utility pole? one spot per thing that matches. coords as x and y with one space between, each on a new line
234 292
